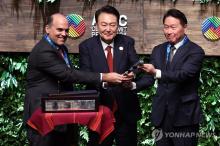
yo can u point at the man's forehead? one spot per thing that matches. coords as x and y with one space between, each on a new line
60 23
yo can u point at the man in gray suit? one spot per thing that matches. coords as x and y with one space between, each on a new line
50 71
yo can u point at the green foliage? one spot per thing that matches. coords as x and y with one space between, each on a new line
210 96
144 126
12 74
12 89
209 1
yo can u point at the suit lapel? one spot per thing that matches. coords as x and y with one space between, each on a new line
162 58
100 55
54 49
179 54
68 57
117 57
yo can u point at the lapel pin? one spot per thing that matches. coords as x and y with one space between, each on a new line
121 48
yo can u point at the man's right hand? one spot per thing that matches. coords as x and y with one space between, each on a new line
112 77
149 68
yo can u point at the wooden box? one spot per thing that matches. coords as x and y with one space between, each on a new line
75 101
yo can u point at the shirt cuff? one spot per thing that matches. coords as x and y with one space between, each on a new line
134 86
100 77
158 74
104 85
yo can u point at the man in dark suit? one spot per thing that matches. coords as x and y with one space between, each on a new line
50 71
121 99
176 64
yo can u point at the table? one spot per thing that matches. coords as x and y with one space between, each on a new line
102 121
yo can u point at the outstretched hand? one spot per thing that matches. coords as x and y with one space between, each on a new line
127 82
149 68
129 76
113 77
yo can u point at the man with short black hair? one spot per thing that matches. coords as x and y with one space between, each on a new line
176 64
109 52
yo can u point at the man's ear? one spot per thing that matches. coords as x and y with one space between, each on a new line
47 29
185 27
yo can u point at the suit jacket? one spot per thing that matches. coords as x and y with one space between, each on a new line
48 73
177 91
92 58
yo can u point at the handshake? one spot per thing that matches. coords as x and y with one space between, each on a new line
124 79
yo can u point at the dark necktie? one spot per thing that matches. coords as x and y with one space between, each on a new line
64 57
172 50
60 50
109 58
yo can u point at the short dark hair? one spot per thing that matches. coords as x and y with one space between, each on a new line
49 20
107 9
176 14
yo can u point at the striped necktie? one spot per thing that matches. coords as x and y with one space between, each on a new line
172 50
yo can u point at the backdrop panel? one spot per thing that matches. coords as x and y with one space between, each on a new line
141 19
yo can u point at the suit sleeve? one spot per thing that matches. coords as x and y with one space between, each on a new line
144 80
189 69
50 63
84 61
85 64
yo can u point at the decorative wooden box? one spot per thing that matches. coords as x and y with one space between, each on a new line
75 101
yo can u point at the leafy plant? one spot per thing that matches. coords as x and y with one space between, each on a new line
12 72
210 96
209 1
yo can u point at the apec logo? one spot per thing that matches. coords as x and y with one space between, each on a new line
77 26
122 29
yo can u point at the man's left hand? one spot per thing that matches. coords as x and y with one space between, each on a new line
127 85
149 68
129 76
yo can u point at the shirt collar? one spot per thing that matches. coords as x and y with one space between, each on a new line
104 45
179 44
49 40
